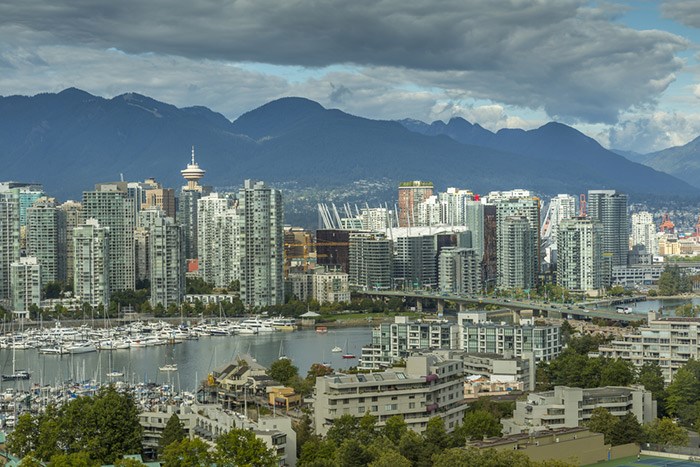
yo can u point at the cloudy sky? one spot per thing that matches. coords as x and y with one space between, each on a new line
625 72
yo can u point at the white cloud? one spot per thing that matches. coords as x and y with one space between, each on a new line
560 56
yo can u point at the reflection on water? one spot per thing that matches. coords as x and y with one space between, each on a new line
667 305
195 359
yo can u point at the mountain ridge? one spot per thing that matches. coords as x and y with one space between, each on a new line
71 140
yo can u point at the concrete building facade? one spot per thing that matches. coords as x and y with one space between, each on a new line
46 239
459 271
428 386
580 255
565 407
610 208
112 207
167 262
261 245
25 279
91 252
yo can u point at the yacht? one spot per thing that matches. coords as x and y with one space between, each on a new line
81 347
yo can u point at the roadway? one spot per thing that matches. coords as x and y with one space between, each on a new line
566 311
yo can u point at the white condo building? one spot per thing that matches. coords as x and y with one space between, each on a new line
26 284
91 255
644 232
580 254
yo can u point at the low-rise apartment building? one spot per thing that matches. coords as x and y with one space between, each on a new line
477 335
669 342
565 407
429 386
392 342
208 422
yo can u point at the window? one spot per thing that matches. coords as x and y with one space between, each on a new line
390 407
374 408
411 405
361 409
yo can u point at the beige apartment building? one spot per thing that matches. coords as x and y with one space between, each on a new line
429 386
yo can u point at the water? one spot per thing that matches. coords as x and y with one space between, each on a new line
195 359
667 304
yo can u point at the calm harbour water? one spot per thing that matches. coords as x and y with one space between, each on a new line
667 305
194 359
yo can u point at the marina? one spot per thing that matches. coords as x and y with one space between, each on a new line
90 356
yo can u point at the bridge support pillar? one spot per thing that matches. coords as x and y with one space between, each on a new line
440 306
419 305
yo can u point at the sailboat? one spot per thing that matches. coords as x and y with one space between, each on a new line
347 355
282 355
16 374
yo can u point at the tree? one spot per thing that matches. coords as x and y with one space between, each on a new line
283 371
394 428
75 459
664 431
390 458
626 430
602 421
52 290
242 448
344 427
616 372
477 425
683 391
304 431
687 311
174 431
317 452
367 428
30 461
353 453
23 438
187 453
651 377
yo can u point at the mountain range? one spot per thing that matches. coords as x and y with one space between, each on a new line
680 161
70 140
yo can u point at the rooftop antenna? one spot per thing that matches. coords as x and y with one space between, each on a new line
193 154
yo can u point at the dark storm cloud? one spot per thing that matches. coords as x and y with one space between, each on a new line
557 55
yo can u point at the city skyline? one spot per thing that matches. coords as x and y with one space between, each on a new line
623 72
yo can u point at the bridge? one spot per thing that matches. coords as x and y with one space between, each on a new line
544 309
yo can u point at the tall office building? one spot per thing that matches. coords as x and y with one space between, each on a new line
610 207
46 239
411 195
142 236
158 197
517 260
227 266
415 262
167 262
371 256
490 258
474 220
73 214
26 283
262 245
26 194
333 249
644 232
515 209
209 238
453 206
112 207
560 207
187 205
580 254
91 254
459 271
9 240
